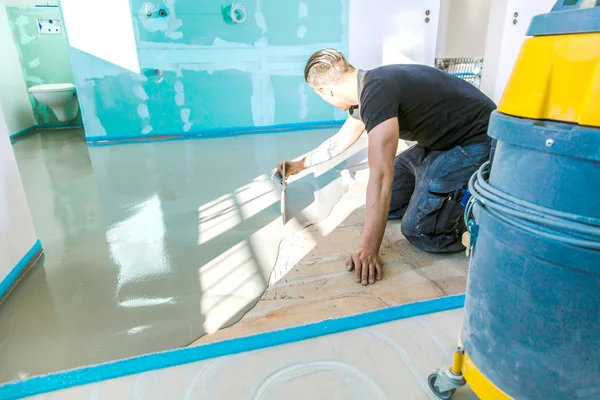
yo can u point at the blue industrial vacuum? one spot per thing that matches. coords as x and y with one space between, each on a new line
532 311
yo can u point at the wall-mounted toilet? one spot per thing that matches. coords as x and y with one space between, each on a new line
60 97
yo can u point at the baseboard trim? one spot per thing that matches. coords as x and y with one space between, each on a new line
20 270
162 137
22 134
171 358
211 133
33 129
58 126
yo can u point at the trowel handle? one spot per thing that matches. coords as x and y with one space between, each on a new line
277 176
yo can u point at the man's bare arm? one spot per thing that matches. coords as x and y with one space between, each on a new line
337 144
383 142
330 148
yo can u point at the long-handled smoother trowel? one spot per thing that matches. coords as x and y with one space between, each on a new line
283 182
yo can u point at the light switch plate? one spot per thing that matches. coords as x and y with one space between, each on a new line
49 25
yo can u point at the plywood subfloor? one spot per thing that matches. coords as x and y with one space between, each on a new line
310 282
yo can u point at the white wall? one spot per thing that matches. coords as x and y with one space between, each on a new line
504 39
116 45
14 100
17 235
387 31
392 31
463 28
442 28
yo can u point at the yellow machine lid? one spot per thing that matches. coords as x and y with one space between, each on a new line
557 74
556 78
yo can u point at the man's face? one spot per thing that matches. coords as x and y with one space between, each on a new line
331 96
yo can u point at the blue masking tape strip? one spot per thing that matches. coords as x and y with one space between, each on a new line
22 132
211 134
13 275
58 125
16 137
150 362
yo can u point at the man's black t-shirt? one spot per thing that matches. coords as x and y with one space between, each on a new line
434 108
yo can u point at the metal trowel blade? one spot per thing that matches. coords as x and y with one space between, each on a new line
283 188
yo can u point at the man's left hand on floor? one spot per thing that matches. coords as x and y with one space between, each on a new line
367 266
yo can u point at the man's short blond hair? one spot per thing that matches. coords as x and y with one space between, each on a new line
326 67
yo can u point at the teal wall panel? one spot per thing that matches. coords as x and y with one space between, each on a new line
114 96
201 72
193 22
296 103
223 100
301 102
304 22
44 57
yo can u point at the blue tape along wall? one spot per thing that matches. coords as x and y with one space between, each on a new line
203 72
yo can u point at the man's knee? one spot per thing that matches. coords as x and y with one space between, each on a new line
408 226
434 223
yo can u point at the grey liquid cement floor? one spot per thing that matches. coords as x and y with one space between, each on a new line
147 246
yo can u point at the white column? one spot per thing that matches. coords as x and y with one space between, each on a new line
103 29
504 40
393 31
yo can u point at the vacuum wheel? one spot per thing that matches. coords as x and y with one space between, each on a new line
442 395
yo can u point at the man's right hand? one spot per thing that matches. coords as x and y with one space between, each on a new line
291 168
